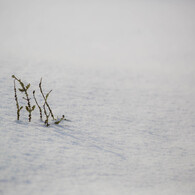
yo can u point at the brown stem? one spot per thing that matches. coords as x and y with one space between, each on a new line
46 99
16 99
46 115
40 110
27 98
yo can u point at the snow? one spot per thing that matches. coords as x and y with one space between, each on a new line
130 132
129 94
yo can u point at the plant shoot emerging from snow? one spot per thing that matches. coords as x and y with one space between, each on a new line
24 89
40 110
46 107
17 103
45 98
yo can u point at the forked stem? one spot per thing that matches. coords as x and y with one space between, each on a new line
16 99
40 110
45 99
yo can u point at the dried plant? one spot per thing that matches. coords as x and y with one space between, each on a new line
40 110
45 99
63 118
46 115
16 99
24 90
46 108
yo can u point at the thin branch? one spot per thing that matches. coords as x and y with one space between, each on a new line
16 99
40 110
24 89
46 115
57 122
45 98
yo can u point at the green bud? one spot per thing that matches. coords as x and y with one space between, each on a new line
22 90
27 86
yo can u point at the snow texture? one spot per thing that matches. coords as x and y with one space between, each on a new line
132 128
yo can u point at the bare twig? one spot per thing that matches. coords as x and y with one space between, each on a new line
24 89
46 115
57 122
45 98
16 99
40 110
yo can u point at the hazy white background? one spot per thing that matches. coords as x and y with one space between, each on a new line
99 32
123 72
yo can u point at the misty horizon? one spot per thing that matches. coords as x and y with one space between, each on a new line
99 32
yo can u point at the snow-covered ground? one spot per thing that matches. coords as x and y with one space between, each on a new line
131 132
129 94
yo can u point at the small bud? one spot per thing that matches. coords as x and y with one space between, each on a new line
22 90
33 108
27 86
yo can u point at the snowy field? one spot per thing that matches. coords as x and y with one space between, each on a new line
125 78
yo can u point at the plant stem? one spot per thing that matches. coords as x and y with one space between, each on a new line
16 99
27 98
46 99
46 115
57 122
40 110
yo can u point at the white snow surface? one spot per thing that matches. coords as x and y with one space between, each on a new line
131 132
123 73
